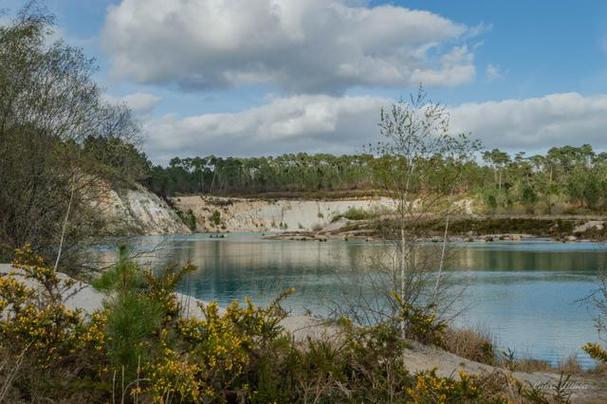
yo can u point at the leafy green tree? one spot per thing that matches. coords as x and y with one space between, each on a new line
498 159
50 106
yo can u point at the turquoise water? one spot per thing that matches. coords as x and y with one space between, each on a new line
525 293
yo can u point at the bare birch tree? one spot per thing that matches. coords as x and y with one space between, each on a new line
410 273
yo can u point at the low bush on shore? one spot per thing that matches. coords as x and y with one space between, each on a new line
470 344
141 348
356 214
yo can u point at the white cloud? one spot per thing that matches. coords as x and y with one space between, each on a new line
139 103
320 123
311 123
494 72
536 123
307 46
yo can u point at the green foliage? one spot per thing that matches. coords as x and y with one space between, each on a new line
529 196
133 316
596 352
118 159
123 276
356 214
132 321
491 202
60 142
54 349
188 218
215 218
420 323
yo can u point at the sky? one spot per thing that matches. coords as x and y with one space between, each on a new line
261 77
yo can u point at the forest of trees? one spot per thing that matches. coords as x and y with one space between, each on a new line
568 175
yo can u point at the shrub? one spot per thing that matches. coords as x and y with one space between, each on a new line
355 214
430 388
596 352
55 347
420 322
188 218
215 218
470 344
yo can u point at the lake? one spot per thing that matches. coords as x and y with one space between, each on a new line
525 293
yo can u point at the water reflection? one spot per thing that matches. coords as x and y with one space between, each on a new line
526 293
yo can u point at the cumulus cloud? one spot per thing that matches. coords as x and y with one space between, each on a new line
310 123
312 46
321 123
139 103
536 123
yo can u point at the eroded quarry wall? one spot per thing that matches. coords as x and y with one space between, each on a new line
139 211
255 215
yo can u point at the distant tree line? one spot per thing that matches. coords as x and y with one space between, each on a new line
287 173
564 176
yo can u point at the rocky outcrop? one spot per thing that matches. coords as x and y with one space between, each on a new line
139 211
262 215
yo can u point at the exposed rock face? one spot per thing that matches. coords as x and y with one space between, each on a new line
139 211
246 215
589 226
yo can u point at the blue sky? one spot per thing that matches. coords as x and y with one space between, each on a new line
270 76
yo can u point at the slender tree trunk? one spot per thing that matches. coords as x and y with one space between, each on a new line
443 250
403 241
500 180
63 228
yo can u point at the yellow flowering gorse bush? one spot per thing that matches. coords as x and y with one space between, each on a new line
240 354
596 352
37 325
430 388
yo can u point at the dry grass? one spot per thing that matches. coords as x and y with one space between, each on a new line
571 366
599 370
471 344
479 346
531 365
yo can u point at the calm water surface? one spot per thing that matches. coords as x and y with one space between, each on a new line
526 293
